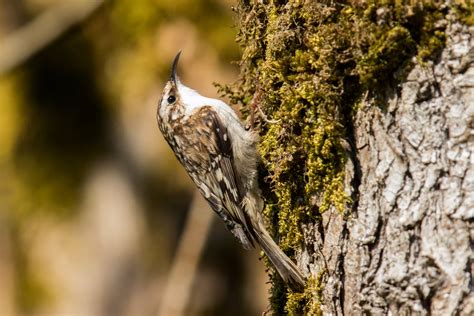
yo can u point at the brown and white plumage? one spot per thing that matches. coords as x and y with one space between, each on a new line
221 158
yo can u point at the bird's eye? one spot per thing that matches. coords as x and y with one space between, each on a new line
171 99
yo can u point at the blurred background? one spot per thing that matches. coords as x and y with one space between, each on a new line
93 203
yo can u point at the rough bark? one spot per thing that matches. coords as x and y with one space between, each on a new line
407 248
376 99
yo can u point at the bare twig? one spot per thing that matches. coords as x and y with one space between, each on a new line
255 104
183 269
22 44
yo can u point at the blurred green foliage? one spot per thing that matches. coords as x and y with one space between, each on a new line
63 111
211 18
59 106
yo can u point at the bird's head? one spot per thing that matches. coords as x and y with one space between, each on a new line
171 96
178 101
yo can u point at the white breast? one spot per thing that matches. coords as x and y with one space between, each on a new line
243 142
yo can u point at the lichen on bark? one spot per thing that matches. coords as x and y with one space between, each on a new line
313 63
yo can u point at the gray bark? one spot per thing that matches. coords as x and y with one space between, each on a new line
407 246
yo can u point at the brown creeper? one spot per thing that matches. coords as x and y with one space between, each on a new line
220 157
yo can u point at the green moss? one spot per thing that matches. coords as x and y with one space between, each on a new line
312 62
465 11
308 302
387 54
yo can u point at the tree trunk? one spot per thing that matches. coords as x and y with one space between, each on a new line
409 244
398 81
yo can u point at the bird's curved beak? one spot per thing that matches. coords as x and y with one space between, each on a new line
174 68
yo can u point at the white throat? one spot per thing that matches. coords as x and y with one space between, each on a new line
192 100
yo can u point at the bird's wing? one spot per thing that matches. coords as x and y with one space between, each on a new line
210 162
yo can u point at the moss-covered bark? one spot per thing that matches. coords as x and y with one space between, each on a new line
312 63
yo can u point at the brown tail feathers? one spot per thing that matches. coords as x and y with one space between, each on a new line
288 271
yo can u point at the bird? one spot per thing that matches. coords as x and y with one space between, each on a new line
220 155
